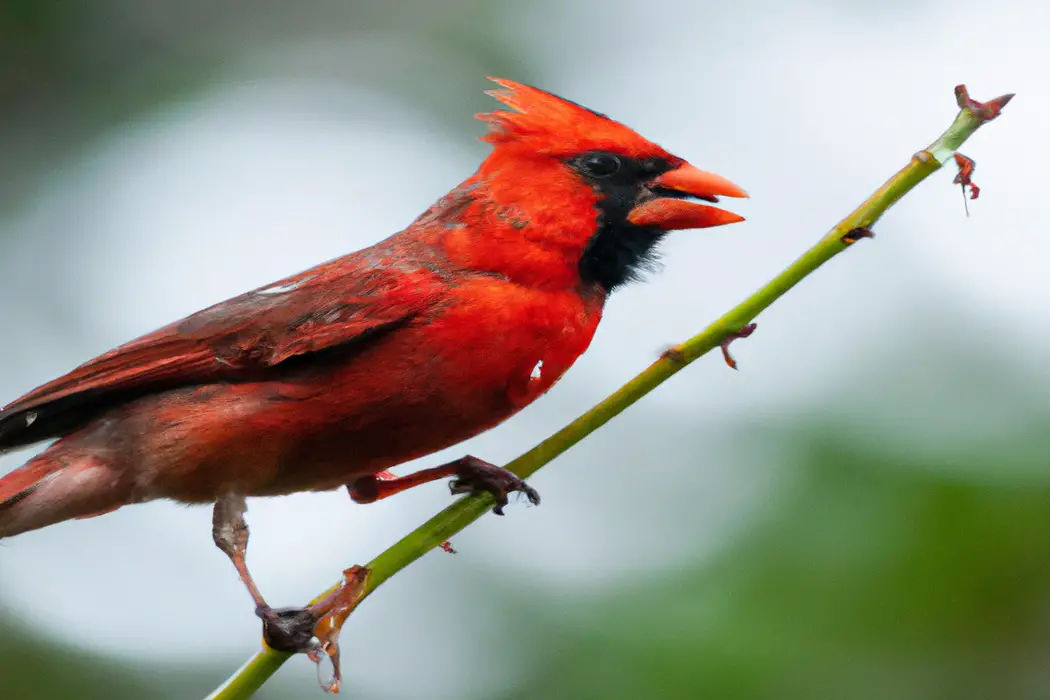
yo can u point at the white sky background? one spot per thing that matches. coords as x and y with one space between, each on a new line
809 109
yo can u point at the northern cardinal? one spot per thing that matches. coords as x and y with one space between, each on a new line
332 376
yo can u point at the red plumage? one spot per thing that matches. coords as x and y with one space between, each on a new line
336 374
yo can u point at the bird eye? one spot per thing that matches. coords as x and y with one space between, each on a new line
599 164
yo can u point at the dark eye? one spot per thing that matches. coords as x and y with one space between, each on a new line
599 164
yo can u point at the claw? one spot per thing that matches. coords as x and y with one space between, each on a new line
744 332
478 476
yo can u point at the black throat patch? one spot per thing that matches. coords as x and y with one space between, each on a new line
620 251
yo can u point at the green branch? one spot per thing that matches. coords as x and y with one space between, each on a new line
463 512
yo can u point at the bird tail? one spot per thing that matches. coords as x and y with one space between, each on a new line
59 484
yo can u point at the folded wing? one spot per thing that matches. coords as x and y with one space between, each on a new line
336 306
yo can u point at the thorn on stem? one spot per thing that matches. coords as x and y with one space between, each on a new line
674 354
856 234
744 332
446 546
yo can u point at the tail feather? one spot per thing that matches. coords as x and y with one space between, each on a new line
23 481
58 485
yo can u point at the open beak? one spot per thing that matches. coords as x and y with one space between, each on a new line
670 208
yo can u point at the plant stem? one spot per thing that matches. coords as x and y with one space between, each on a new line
463 512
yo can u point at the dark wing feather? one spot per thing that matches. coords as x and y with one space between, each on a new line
337 304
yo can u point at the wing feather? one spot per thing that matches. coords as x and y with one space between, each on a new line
336 304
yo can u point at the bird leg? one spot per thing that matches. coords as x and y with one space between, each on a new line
230 532
315 628
286 629
473 476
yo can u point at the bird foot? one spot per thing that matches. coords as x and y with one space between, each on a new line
985 111
744 332
314 630
476 476
290 630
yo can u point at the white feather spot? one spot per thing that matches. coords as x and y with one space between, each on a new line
278 289
30 418
537 371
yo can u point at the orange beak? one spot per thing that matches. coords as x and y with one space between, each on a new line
673 212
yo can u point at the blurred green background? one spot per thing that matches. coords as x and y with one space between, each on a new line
861 512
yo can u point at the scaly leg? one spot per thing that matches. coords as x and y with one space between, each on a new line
230 532
473 475
286 629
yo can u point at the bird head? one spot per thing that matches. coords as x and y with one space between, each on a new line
569 194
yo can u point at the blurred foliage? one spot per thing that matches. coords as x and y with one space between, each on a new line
32 667
70 72
868 578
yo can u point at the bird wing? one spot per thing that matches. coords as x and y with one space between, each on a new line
339 304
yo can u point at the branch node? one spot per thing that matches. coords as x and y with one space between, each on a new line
924 157
856 234
985 111
744 332
675 354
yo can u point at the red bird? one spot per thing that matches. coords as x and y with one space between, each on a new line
332 376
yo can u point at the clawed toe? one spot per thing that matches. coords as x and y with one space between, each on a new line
477 476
